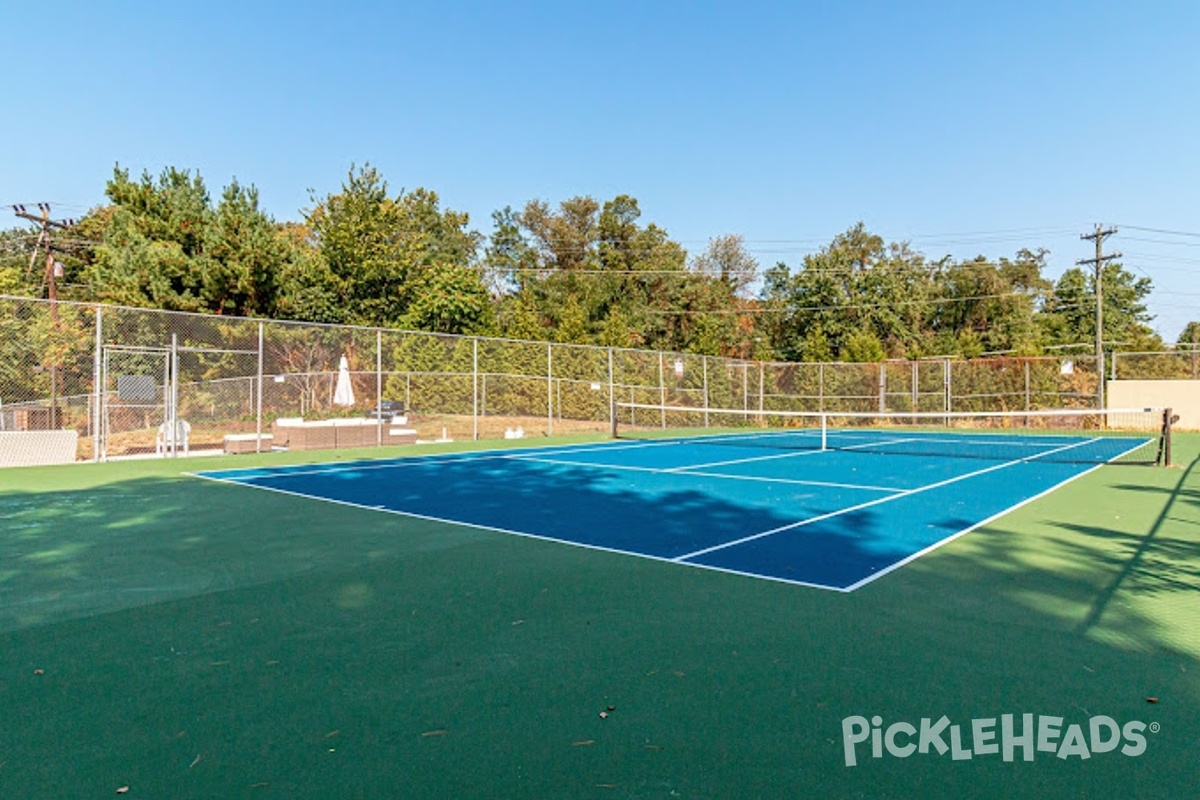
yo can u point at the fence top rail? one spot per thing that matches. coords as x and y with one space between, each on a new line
183 349
1178 351
136 348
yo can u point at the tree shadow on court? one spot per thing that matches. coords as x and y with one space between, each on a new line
154 539
1119 561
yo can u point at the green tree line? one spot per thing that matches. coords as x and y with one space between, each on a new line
583 271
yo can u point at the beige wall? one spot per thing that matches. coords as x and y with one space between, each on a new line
1181 396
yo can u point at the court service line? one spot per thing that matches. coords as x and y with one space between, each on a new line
879 501
419 460
796 454
687 471
795 481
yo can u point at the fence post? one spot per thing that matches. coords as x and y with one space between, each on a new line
475 389
761 391
947 389
916 392
172 437
379 387
704 362
821 386
104 405
662 391
882 387
1027 394
612 391
97 384
258 395
549 389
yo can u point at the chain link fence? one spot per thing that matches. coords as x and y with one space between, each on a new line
1177 364
136 381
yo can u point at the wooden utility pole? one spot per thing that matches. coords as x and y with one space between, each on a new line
1098 236
50 281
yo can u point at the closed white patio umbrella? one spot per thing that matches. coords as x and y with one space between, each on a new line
343 393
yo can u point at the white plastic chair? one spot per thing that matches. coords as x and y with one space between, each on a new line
165 442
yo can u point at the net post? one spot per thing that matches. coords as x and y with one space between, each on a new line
1164 443
824 432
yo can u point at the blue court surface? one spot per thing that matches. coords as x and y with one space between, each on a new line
769 508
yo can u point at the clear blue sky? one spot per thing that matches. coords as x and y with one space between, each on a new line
964 128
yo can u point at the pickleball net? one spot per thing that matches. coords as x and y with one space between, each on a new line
1125 435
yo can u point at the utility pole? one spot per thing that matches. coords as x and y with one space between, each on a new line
50 281
1098 236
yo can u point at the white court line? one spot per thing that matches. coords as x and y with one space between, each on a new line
795 454
687 471
493 528
869 503
331 468
796 481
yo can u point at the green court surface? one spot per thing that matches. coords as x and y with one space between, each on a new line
191 639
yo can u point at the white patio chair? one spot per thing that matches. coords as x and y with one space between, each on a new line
163 442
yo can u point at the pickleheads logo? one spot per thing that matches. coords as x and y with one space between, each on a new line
1027 734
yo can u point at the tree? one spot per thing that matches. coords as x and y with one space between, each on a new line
16 275
597 274
509 259
153 253
400 260
307 288
1071 310
815 346
862 346
726 259
162 244
246 256
1190 335
996 301
449 298
854 286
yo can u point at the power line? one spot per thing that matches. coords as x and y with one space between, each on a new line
1161 230
1162 241
791 309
